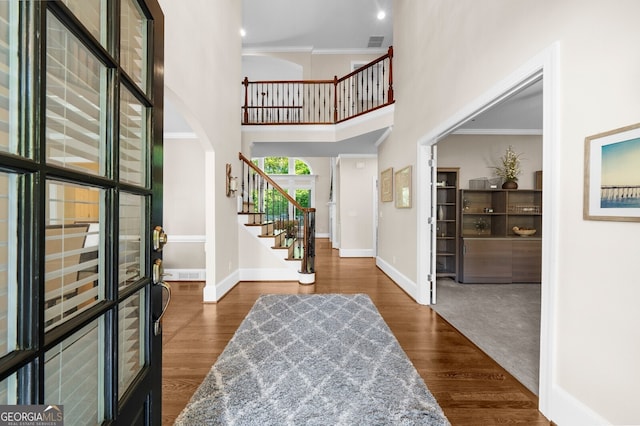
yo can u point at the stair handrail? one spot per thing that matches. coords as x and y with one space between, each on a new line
308 263
274 184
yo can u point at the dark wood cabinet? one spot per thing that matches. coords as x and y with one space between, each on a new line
526 260
490 251
485 260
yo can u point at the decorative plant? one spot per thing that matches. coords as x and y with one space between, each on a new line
510 168
481 225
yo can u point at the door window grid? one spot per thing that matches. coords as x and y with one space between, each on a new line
133 140
131 335
131 250
9 76
74 138
73 375
73 251
133 42
8 263
76 102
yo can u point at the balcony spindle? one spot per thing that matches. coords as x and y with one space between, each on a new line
310 102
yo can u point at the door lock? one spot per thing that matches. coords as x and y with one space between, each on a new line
159 238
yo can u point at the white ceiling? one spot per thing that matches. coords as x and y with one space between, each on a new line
315 24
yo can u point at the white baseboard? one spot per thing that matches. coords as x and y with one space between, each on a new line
215 293
410 287
357 253
185 274
271 274
322 235
566 410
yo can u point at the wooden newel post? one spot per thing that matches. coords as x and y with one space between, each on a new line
390 95
335 98
245 83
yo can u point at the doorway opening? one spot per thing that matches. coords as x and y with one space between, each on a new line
541 65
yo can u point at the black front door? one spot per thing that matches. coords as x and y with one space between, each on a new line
81 94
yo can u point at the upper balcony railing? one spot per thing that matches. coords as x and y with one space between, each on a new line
320 101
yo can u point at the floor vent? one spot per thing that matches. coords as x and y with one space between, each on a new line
185 274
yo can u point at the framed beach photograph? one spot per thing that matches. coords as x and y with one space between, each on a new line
403 188
386 185
612 175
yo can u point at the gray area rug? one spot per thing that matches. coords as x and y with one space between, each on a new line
501 319
313 359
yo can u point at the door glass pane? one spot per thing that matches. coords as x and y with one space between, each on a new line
90 13
76 107
131 335
74 244
74 376
8 76
8 263
131 251
133 140
133 42
9 390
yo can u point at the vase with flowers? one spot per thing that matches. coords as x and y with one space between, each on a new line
509 169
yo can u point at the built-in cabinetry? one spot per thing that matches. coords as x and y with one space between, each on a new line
447 222
490 250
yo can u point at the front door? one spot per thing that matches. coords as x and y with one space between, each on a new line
81 91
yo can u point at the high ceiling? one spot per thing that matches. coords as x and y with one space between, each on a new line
348 25
315 24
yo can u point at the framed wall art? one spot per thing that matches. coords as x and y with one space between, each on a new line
403 188
612 175
386 185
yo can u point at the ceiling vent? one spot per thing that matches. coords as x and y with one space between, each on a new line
375 41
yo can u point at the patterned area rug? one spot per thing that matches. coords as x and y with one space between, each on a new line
313 360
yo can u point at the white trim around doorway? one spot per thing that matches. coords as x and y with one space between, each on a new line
544 65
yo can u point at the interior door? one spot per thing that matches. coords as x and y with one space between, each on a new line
80 189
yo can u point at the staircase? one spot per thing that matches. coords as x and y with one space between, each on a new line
277 225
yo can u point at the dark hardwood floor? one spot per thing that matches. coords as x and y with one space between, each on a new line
469 386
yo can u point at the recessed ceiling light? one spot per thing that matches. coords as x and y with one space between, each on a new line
381 15
242 32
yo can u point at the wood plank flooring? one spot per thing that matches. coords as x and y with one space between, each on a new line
469 386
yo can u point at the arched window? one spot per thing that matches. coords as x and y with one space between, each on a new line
293 175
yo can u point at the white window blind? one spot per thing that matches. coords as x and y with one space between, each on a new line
76 105
8 263
131 335
91 14
73 376
131 254
73 251
133 42
8 76
133 140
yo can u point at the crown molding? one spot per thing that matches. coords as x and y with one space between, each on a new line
311 50
506 132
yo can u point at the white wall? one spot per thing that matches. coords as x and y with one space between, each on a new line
184 210
476 154
356 206
465 48
202 69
